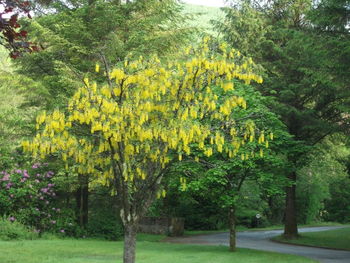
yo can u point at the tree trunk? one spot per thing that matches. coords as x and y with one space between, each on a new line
78 204
82 199
290 224
85 203
232 222
130 231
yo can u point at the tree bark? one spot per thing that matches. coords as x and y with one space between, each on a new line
290 224
85 203
78 204
232 222
82 200
130 231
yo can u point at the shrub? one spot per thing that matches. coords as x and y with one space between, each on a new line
337 208
107 228
13 230
104 221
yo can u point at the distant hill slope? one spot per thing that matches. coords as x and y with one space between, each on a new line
202 16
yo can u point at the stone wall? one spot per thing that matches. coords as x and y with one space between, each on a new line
162 225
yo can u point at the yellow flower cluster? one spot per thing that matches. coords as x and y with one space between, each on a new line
183 182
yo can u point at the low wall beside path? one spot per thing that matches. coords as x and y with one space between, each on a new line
171 226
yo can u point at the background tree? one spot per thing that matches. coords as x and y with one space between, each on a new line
221 177
75 39
15 117
332 16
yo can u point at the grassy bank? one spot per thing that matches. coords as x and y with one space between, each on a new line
280 227
338 239
92 251
243 228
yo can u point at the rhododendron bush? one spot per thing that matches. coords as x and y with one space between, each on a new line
29 196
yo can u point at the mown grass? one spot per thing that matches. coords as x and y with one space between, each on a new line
243 228
337 238
280 227
203 232
97 251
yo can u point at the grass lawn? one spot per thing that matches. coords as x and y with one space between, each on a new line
203 232
338 238
279 227
243 228
97 251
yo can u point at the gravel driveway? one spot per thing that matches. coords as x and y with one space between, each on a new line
260 240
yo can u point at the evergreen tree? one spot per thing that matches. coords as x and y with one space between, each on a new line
312 101
80 34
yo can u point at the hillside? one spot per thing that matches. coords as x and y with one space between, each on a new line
202 15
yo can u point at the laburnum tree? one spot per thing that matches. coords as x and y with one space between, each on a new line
127 133
11 35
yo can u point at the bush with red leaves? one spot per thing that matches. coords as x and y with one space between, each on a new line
11 36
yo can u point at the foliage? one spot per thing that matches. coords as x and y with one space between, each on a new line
332 16
243 27
220 171
11 230
218 179
296 65
109 228
337 207
202 17
104 221
14 117
209 214
177 203
325 168
75 39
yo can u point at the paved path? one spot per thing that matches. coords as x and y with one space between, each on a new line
260 240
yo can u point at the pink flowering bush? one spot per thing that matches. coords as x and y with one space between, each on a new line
29 197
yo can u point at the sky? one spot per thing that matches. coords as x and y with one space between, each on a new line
206 2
